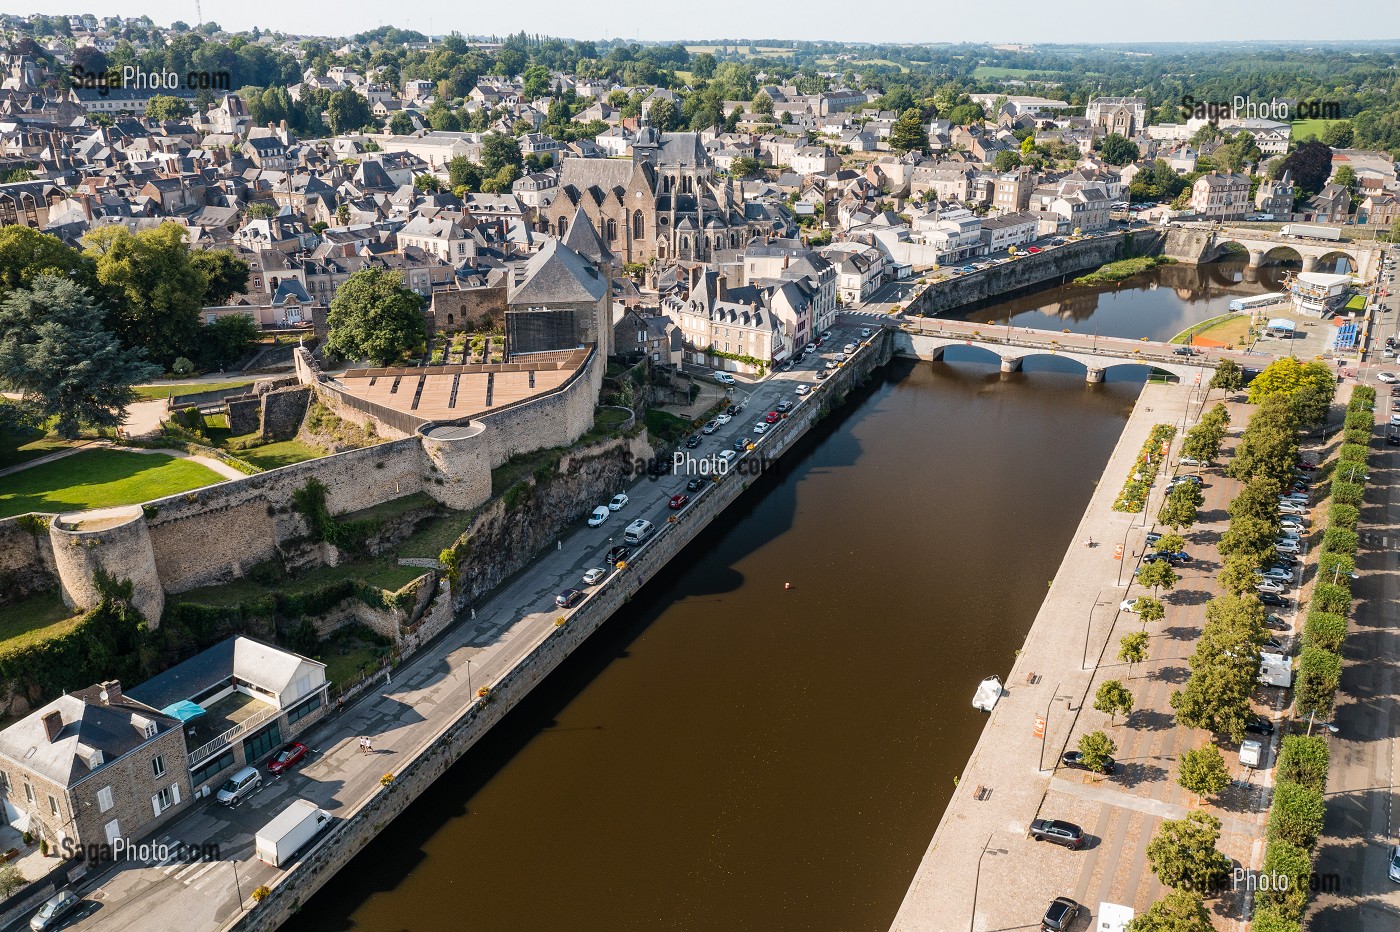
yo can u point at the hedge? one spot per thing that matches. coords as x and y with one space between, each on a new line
1304 759
1347 493
1358 420
1335 598
1335 566
1362 396
1268 919
1319 672
1296 815
1356 435
1352 453
1340 540
1324 630
1286 861
1343 516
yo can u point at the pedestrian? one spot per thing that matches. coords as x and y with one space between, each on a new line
387 681
363 740
473 614
369 746
339 704
560 543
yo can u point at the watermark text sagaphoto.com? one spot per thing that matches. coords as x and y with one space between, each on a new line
149 852
133 78
1241 107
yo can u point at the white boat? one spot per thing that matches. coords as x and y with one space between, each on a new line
988 692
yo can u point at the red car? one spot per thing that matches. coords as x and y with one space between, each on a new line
287 758
678 501
1033 249
773 417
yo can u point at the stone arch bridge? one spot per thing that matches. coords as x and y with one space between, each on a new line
1204 242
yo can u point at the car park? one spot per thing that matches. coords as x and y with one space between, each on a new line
594 575
678 501
710 427
567 598
617 554
1059 915
1076 760
619 502
600 514
287 758
1057 832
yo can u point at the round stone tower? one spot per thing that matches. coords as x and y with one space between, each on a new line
115 541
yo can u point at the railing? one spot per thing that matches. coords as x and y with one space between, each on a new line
1049 340
225 739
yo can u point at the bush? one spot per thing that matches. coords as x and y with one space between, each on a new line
1362 396
1339 540
1357 435
1344 516
1304 759
1269 919
1334 598
1359 420
1352 453
1296 815
1347 493
1286 862
1319 672
1335 566
1324 630
182 366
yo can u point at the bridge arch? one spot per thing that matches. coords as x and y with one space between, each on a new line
1280 254
1329 262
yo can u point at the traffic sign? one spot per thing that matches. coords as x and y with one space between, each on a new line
1039 729
1117 551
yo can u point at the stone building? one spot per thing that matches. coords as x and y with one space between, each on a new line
1122 115
665 203
1221 196
91 767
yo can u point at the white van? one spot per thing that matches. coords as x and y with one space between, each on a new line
638 531
848 349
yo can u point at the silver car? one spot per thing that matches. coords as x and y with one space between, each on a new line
53 911
1395 863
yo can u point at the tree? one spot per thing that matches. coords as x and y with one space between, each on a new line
1170 543
401 124
1157 575
1338 135
1290 867
1203 442
373 316
1178 911
226 341
163 107
462 173
1295 815
226 274
703 66
662 115
159 289
1150 609
1006 160
25 254
1118 150
1304 760
56 354
1113 697
1202 771
761 105
348 111
1311 165
1228 377
10 879
908 133
1095 750
1319 673
499 151
1240 574
1183 853
1179 509
426 182
745 167
1132 649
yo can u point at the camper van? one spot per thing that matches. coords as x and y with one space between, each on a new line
638 531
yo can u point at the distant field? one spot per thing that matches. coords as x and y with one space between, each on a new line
763 50
831 62
996 71
1314 128
100 479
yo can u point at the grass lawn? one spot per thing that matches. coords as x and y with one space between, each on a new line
1227 330
383 572
34 619
23 447
1302 129
344 666
665 425
435 535
996 71
100 479
153 392
272 455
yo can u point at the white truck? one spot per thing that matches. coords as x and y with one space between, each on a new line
284 837
1311 231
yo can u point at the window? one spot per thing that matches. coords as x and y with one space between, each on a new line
263 742
53 805
29 792
104 799
213 767
158 766
162 800
305 709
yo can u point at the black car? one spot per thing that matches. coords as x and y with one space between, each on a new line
741 444
692 442
783 407
1259 726
1285 560
660 465
1275 623
1059 915
617 553
1268 598
1075 759
1061 833
1187 478
1393 439
732 410
568 597
694 484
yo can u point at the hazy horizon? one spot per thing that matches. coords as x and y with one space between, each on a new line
1073 22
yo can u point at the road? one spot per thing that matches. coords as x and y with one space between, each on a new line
400 716
1362 822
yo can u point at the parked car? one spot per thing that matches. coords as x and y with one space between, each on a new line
1189 461
694 484
1275 623
1272 600
1075 759
810 348
1291 508
864 332
821 374
567 598
724 418
802 389
1271 585
287 758
728 456
1153 537
1128 605
772 417
1058 832
724 378
741 444
600 514
1259 726
593 575
616 554
709 428
678 501
1394 863
1059 915
1287 546
1177 480
760 428
1388 378
693 441
1281 573
619 502
241 785
55 909
1393 439
783 407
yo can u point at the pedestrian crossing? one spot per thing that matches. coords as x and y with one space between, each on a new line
193 865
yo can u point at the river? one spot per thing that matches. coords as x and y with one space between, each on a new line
730 754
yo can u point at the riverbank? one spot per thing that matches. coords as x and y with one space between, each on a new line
979 851
1123 269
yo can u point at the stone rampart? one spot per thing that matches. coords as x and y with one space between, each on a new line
115 542
26 559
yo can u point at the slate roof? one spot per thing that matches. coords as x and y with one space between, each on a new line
89 725
558 275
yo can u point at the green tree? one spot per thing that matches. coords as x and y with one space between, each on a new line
1132 649
1338 135
226 275
499 151
761 105
1178 911
908 133
745 167
1296 814
1240 574
1304 760
1170 543
159 289
1319 673
55 353
1292 867
401 124
1183 854
1113 697
1202 771
348 111
1150 609
1095 750
163 108
1228 377
25 254
1157 575
226 341
1118 150
1179 509
1006 160
663 115
1202 442
373 316
426 182
462 173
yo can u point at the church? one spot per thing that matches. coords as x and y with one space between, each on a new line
664 203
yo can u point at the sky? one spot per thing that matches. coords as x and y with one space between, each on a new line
1063 21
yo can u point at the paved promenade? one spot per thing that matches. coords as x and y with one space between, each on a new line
1009 775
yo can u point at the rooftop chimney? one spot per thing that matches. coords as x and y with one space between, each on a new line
111 692
53 724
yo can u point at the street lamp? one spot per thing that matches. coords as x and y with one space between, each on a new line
469 678
1089 623
977 881
238 886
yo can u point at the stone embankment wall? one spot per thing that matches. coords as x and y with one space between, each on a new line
26 560
351 834
1052 266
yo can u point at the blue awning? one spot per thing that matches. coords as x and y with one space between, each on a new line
1281 323
184 710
